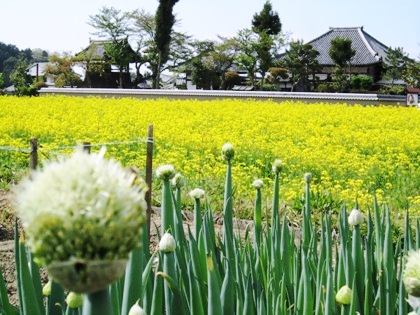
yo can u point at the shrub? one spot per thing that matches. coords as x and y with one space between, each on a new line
361 83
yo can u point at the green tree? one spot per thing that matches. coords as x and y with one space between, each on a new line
60 67
9 57
301 62
144 29
341 53
165 21
396 61
276 74
21 79
411 74
248 56
115 26
1 81
221 59
39 55
266 21
212 59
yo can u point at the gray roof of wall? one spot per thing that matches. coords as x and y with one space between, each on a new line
368 49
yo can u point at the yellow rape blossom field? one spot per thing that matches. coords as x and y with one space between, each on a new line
353 152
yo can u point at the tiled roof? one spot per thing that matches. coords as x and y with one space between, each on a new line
368 49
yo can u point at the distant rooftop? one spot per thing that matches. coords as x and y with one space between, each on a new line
368 49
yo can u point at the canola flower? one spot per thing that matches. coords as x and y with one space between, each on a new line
82 207
351 151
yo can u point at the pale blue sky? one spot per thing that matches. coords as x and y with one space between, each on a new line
58 26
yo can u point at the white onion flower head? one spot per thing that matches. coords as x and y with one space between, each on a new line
307 177
227 151
258 183
197 193
167 243
136 310
411 274
344 295
165 172
178 181
277 166
355 217
81 207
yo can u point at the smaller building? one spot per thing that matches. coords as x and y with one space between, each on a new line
37 71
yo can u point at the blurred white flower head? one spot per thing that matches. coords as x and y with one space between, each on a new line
257 184
165 172
411 274
307 177
82 207
197 193
178 181
355 217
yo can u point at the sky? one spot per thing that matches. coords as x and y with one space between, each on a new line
61 26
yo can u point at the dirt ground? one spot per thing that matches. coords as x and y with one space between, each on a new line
7 260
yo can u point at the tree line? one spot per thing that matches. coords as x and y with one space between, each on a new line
263 53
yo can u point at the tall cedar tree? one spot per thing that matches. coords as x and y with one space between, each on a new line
165 20
266 21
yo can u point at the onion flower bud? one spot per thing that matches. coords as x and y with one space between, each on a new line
257 184
227 152
165 172
197 193
277 166
136 310
344 295
167 243
46 289
74 300
178 181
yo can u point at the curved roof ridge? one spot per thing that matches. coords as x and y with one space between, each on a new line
366 42
346 27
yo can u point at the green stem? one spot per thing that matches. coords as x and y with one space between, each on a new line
167 208
257 221
97 303
275 208
197 218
